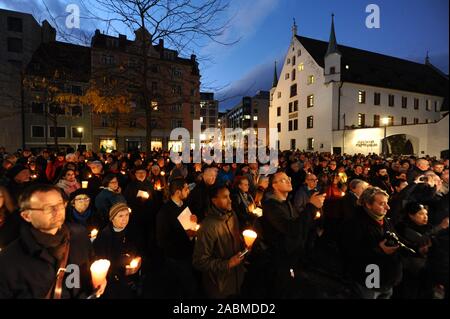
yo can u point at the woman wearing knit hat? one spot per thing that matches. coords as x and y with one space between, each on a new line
113 243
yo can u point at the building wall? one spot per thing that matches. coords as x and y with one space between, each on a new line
321 111
11 64
351 107
423 137
163 76
325 111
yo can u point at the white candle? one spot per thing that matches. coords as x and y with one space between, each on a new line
99 269
249 237
84 184
93 234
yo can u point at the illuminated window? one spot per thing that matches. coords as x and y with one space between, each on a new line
301 67
310 79
310 100
361 97
361 119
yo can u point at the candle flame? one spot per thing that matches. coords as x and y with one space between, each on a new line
94 233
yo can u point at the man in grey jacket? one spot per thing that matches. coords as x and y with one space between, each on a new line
218 246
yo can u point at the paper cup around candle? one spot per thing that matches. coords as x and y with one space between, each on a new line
134 263
249 237
99 269
84 184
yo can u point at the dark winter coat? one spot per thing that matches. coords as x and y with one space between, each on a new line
34 270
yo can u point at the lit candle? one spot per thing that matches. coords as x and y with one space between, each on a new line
134 263
85 161
89 176
197 227
163 173
168 160
343 193
84 184
93 234
99 269
123 172
317 215
249 237
34 176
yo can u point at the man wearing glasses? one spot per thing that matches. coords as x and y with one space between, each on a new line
285 231
34 266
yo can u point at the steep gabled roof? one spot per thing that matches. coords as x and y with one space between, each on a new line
73 62
380 70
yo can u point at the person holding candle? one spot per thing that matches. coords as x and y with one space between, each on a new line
144 204
243 203
217 252
176 243
45 245
113 244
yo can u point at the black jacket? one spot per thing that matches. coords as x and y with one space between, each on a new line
198 201
360 246
285 231
34 270
116 247
246 219
170 235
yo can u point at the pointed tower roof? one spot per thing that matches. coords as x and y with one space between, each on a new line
275 76
294 29
427 59
332 44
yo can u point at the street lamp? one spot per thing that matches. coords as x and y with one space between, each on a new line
80 131
385 122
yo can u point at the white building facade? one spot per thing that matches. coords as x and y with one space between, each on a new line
326 92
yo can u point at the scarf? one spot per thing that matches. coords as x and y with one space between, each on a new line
67 186
81 218
55 244
375 217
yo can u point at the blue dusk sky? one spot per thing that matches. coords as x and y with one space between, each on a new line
408 29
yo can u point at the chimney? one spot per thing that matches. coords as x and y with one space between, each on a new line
193 57
161 43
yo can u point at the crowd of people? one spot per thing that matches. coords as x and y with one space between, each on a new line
322 220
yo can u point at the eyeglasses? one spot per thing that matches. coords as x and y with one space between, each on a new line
49 209
84 199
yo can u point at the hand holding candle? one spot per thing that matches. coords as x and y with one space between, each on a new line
99 269
84 184
133 267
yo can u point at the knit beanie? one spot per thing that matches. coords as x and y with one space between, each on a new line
116 208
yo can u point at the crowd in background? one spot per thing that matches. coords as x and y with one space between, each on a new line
321 219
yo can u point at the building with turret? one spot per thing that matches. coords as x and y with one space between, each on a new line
334 98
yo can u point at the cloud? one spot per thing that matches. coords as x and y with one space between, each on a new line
258 78
246 17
